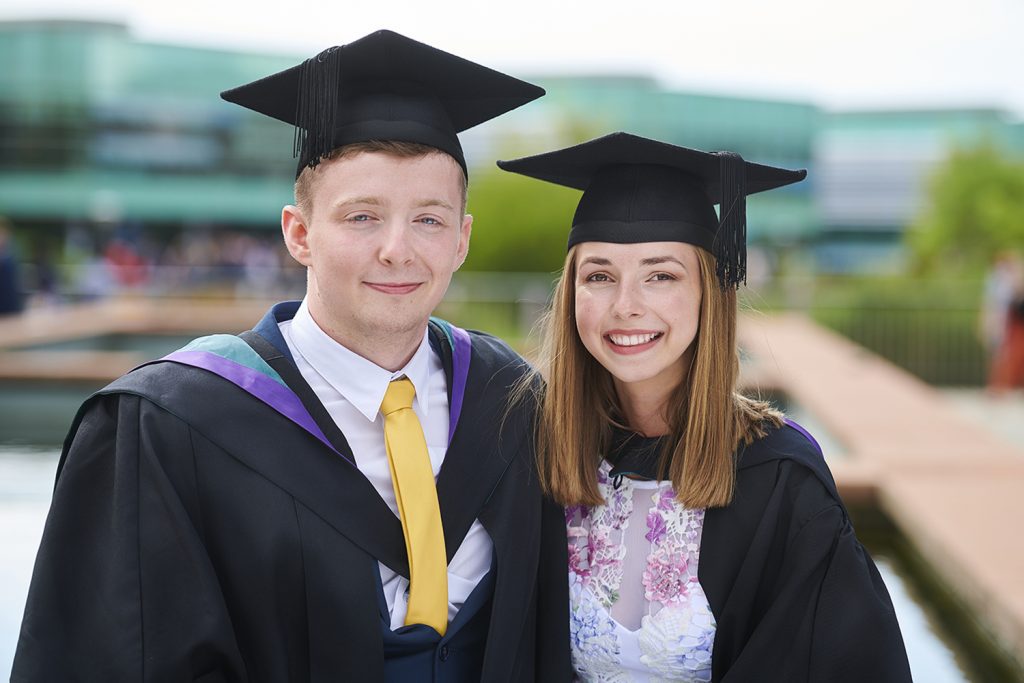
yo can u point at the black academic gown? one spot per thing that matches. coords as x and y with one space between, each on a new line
795 596
197 535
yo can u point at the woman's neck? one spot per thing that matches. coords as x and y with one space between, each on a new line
644 410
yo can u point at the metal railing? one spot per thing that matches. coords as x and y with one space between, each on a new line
935 338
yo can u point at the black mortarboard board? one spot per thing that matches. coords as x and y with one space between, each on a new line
383 86
642 190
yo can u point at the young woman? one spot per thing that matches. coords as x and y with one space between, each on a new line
707 541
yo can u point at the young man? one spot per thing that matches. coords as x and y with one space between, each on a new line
341 493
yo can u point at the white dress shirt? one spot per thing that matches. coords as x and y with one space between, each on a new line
352 388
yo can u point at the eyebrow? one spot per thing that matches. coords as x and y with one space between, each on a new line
655 260
373 201
652 261
376 201
434 202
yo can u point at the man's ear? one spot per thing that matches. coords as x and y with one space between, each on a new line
296 234
464 233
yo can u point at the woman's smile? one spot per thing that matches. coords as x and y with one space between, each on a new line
631 342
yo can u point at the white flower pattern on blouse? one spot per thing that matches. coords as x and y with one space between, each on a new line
677 628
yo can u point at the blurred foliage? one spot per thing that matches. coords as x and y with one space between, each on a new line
975 209
927 325
519 224
502 319
941 348
934 292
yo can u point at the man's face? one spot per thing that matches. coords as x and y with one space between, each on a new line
383 236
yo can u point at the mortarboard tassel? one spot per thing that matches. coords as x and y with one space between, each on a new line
731 239
316 106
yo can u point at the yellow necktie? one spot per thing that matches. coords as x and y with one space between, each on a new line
416 494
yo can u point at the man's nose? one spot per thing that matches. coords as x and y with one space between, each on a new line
394 247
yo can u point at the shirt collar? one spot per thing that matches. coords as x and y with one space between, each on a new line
362 382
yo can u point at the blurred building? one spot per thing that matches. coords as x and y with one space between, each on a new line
101 131
96 127
872 170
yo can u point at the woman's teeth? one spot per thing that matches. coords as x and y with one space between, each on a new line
633 339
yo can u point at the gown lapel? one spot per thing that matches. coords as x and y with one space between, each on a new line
480 450
297 383
477 456
266 441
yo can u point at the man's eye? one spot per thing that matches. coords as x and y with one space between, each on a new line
360 218
430 220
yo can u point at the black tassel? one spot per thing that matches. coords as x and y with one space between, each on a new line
316 106
731 240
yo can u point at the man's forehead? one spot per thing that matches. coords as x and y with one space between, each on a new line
383 174
364 158
388 199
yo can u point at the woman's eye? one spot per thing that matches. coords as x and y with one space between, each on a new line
597 277
661 277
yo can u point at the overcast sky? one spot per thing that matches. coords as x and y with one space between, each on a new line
837 53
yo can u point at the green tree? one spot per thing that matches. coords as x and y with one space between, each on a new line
975 208
519 224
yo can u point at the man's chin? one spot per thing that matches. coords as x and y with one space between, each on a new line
397 322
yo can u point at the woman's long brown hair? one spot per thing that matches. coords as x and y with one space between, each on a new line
707 417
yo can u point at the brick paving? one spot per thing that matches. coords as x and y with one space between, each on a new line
951 484
127 315
1002 414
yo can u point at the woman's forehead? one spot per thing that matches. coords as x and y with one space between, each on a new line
638 253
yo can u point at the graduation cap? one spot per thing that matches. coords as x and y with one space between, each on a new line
383 86
640 190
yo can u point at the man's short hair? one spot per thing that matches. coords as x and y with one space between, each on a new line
305 183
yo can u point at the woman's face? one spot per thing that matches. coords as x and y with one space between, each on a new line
638 309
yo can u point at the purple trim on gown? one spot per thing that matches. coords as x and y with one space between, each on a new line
807 434
460 371
257 384
283 400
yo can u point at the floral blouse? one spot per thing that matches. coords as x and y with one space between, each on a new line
638 612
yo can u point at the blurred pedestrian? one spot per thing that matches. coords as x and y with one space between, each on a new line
11 295
260 267
1003 322
46 280
125 263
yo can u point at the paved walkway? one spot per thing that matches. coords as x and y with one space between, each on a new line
128 315
1002 415
953 485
